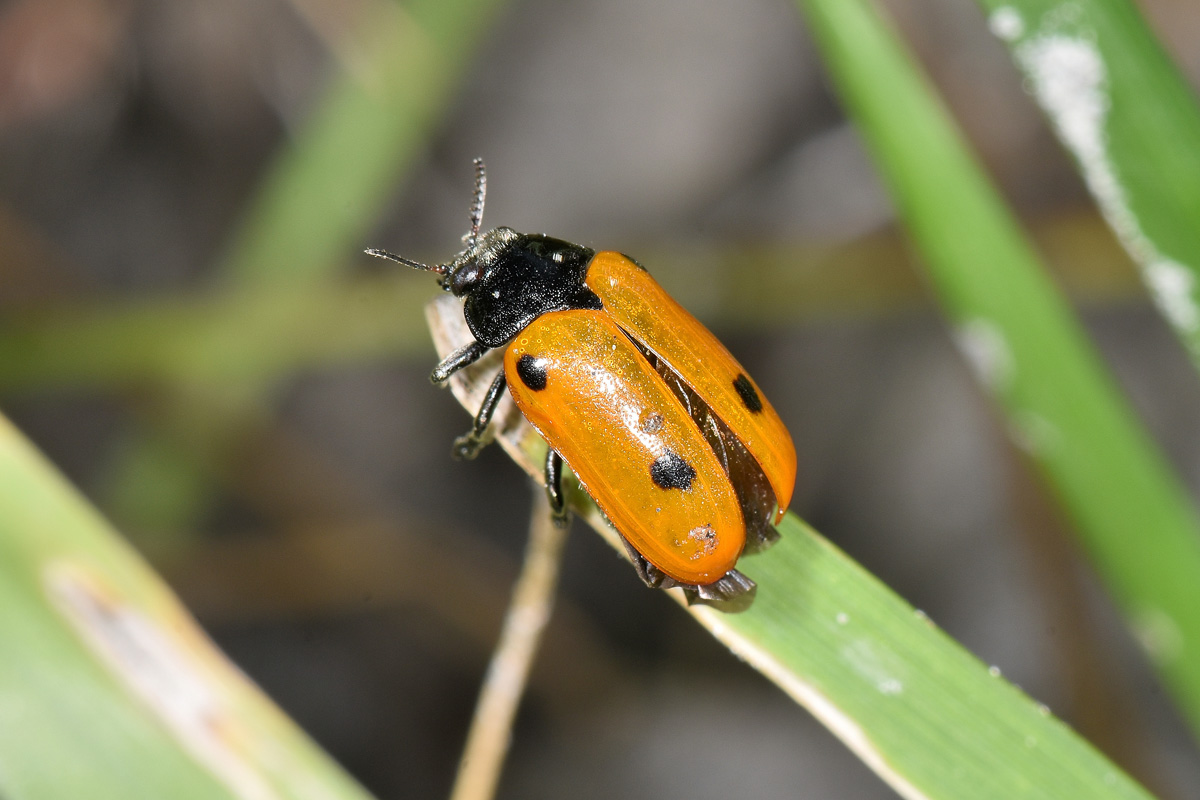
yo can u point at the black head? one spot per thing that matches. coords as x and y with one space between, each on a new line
507 278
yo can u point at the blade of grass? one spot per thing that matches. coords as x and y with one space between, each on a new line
919 710
1132 123
1131 513
108 688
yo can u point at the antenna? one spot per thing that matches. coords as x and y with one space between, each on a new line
440 269
477 204
471 239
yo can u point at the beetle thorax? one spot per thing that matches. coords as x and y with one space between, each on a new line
510 278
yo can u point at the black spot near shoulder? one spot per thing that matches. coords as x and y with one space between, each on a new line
745 390
532 372
670 471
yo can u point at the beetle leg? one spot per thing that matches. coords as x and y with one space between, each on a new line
760 537
469 445
651 575
462 357
554 489
731 593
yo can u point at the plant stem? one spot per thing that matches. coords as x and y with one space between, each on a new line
528 613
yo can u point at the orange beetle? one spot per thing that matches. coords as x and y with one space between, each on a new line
659 423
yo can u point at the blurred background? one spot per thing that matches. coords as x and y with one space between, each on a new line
262 429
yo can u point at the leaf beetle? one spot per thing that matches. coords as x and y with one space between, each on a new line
659 423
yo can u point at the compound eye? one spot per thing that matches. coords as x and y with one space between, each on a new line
464 278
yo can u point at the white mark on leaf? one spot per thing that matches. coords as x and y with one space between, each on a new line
166 666
1006 23
1173 287
1159 634
984 346
880 668
1034 433
1068 77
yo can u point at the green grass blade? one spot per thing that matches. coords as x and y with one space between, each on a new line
1133 125
108 688
917 708
1131 513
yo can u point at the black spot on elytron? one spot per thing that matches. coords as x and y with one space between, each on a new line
532 372
745 390
669 471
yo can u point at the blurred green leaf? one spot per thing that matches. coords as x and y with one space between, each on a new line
1062 408
108 688
1131 121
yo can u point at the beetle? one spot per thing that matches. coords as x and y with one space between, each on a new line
659 423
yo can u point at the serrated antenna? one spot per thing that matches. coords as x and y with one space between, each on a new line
477 204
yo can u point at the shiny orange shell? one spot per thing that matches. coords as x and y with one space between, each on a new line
643 310
601 405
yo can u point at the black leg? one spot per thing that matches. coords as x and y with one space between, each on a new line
468 446
651 575
462 357
732 593
554 489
